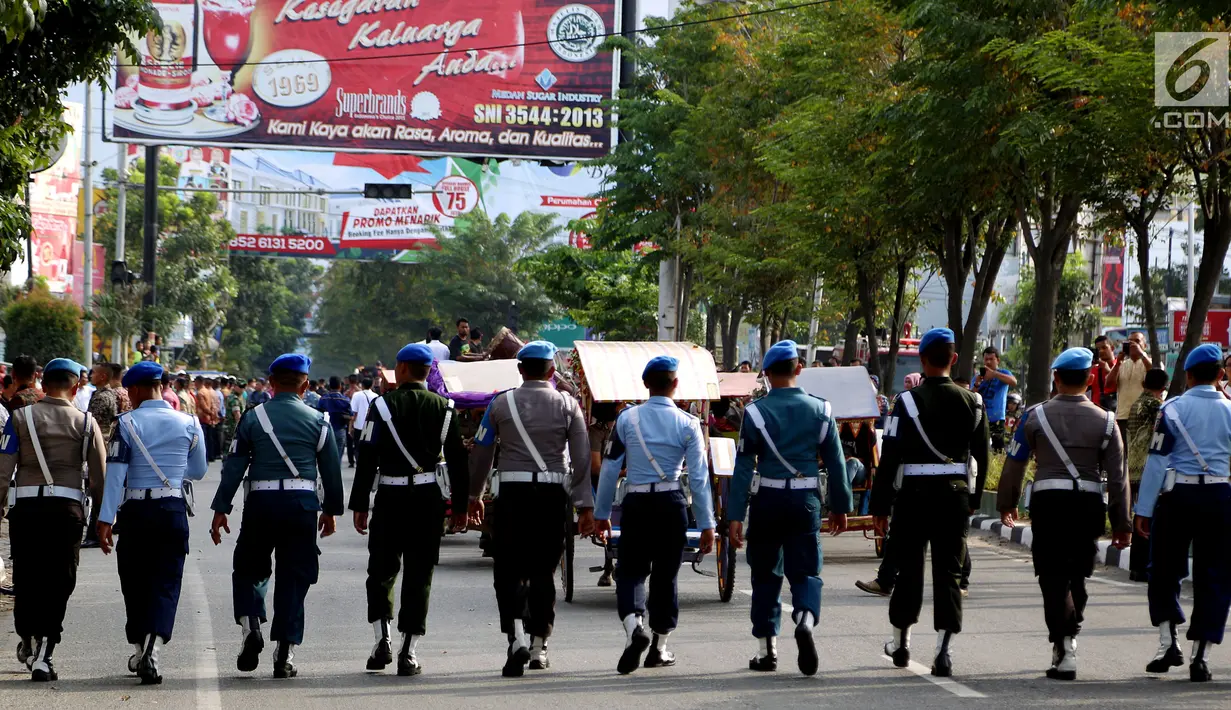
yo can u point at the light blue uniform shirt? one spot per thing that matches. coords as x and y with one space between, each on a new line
174 439
1206 415
673 438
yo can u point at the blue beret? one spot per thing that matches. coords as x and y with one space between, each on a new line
537 350
779 351
144 371
936 335
416 353
661 363
63 363
1074 359
291 362
1203 354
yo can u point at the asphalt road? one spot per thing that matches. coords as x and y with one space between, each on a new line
999 659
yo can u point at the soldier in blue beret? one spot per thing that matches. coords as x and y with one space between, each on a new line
1076 445
933 435
653 441
408 433
155 451
288 452
58 455
1185 495
777 488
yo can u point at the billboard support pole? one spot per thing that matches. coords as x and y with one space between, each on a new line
119 267
150 235
87 246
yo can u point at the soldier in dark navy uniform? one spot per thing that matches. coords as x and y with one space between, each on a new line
408 431
932 436
284 446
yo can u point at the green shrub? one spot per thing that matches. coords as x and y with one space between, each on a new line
42 326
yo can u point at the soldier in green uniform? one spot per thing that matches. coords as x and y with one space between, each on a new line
932 435
232 413
407 430
286 448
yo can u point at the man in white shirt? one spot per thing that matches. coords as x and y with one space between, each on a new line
85 389
439 350
359 403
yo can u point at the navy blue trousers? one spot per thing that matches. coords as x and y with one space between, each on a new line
1200 516
150 555
653 532
784 541
285 531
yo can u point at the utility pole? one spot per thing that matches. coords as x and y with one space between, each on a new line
1192 238
87 276
150 235
119 266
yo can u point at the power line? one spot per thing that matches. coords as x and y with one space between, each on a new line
603 35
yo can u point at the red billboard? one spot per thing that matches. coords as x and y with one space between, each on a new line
1217 327
511 78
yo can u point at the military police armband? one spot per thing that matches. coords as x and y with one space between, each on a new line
8 440
369 427
614 448
118 450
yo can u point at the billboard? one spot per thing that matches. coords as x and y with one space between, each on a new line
501 78
1217 327
53 208
1112 287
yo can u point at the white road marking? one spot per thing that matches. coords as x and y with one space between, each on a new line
948 684
785 607
1115 582
208 697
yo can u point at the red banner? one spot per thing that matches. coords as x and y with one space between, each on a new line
1113 284
287 246
513 78
1217 327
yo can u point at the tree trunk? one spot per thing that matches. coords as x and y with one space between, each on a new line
711 324
1142 232
764 332
999 236
895 328
1058 222
730 338
685 305
954 268
851 346
866 285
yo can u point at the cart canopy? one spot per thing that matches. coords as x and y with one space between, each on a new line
848 390
737 384
612 370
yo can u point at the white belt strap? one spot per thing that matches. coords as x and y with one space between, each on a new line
1110 430
635 420
828 411
1172 415
652 487
759 421
1200 479
320 443
912 409
419 479
444 430
383 408
132 434
935 469
28 412
521 430
263 417
1055 442
86 440
795 484
1064 484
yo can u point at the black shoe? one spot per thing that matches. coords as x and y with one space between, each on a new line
381 656
42 671
89 544
408 665
874 587
148 674
250 654
764 664
38 675
1138 576
942 667
658 659
901 656
1174 658
515 665
25 649
808 659
285 670
1198 672
542 663
631 658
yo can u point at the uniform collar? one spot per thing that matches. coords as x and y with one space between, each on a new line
784 391
413 386
661 401
56 401
159 403
285 396
1206 391
535 384
1070 397
938 380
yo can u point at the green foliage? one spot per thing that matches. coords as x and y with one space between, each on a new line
1074 313
47 46
42 326
266 318
613 292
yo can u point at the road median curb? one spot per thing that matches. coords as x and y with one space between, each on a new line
1021 534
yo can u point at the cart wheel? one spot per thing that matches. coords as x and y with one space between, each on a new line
879 543
567 568
724 553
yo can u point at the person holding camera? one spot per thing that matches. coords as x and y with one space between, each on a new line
1129 376
993 385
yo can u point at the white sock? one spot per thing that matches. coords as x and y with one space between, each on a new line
410 642
537 643
901 638
381 630
138 649
631 623
766 646
661 641
519 634
807 620
940 639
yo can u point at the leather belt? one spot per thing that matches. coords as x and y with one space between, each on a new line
283 484
419 479
1067 484
652 487
795 484
930 469
1201 479
49 492
152 493
533 477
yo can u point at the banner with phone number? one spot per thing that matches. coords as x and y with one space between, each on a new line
510 78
